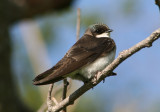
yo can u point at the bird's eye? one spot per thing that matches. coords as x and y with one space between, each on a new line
99 31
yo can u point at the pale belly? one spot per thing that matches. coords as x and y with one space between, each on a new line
90 70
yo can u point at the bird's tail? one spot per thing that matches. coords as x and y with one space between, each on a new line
46 77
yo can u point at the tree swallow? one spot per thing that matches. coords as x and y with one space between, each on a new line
90 54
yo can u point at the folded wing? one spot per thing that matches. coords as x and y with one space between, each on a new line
80 54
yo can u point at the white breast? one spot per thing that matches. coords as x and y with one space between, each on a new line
90 70
103 35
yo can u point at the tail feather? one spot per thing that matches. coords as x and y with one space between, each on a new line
43 75
43 82
46 77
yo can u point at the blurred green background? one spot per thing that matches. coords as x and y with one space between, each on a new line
36 34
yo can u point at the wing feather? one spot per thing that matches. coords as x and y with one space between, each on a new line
83 52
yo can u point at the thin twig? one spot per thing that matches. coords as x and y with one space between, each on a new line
70 83
65 82
65 85
49 98
78 24
105 73
54 100
56 90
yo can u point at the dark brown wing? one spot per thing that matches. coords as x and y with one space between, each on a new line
83 52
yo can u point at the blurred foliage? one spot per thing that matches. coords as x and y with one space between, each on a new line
90 104
155 107
91 19
23 78
31 94
47 32
12 11
129 7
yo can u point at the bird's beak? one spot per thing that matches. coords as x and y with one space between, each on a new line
110 30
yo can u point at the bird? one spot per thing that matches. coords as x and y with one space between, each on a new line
94 51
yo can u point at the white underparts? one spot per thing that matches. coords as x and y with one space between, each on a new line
105 34
90 70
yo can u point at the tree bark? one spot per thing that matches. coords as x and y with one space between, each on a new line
9 100
10 12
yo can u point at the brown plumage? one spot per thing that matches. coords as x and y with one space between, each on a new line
85 51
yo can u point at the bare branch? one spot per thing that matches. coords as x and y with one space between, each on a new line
54 100
49 99
65 82
78 23
65 85
56 90
106 72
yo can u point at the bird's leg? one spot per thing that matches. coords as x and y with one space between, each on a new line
95 78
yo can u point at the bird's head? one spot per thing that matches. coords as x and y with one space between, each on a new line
99 30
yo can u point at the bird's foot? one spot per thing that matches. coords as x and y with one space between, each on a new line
96 77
